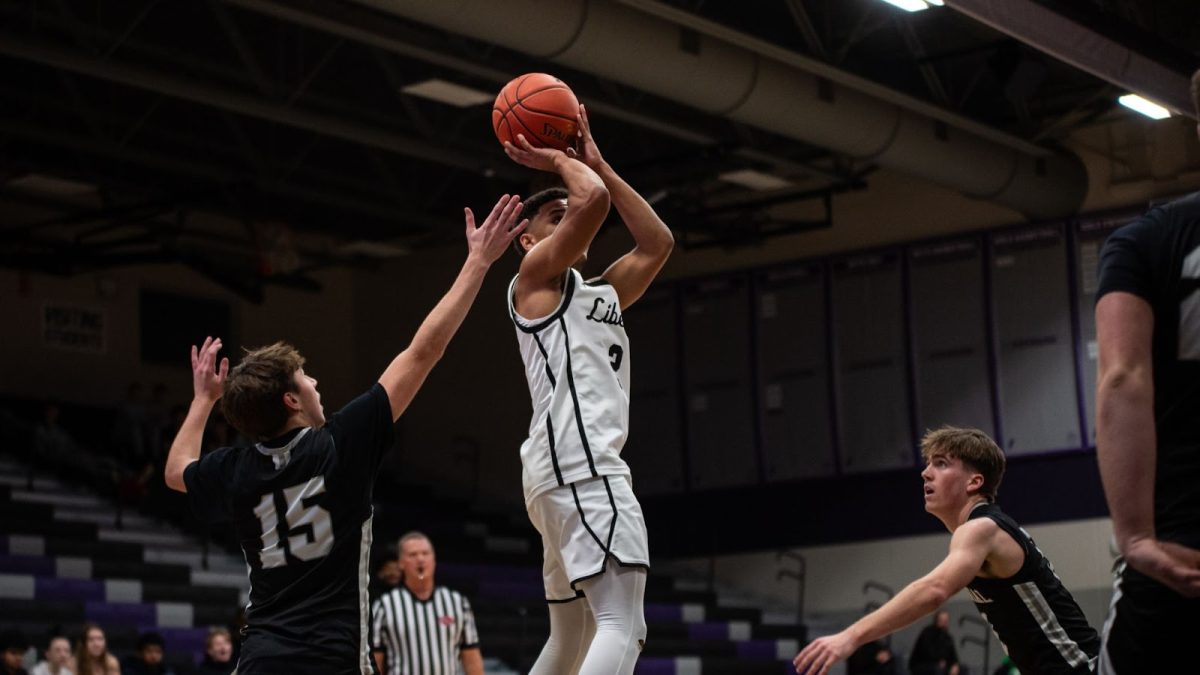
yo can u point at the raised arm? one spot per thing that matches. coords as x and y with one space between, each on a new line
407 372
1126 441
632 273
969 548
208 383
587 207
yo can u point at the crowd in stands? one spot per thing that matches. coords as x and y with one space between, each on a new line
90 654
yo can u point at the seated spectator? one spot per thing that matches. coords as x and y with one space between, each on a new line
58 658
218 653
91 655
149 657
14 644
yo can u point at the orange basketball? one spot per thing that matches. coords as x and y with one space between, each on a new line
539 106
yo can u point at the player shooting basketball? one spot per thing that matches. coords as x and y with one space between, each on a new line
572 338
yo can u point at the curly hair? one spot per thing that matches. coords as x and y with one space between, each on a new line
531 206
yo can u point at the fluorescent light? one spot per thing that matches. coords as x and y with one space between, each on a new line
40 183
909 5
1152 110
755 180
935 3
448 92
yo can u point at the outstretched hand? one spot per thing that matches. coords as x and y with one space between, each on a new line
1175 566
588 152
208 382
523 153
488 241
820 654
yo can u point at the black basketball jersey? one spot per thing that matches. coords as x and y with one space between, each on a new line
1042 628
1157 258
301 508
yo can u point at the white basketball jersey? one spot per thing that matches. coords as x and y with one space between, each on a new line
577 364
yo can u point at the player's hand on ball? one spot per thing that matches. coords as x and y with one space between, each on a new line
820 654
208 382
525 154
588 153
489 241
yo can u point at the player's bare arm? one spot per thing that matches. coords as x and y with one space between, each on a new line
970 547
208 383
485 243
632 273
1126 442
472 661
538 287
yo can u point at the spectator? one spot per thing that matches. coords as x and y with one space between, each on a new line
129 427
218 653
52 443
58 658
157 421
149 657
873 658
14 644
933 653
91 655
387 574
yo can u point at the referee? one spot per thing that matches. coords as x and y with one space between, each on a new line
420 628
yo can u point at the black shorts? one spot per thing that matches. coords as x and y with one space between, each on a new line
1150 628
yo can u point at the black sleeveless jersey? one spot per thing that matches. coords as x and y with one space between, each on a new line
1042 628
1157 258
301 508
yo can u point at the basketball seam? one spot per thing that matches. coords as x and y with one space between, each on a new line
547 113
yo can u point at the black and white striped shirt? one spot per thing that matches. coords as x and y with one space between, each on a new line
422 637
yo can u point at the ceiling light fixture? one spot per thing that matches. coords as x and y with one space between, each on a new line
448 92
910 5
1146 107
755 180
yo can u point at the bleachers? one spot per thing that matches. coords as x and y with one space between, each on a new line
64 559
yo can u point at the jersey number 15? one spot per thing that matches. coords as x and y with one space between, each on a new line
305 545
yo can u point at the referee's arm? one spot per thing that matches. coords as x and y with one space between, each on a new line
472 660
381 663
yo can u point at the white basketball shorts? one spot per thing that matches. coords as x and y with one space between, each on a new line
584 525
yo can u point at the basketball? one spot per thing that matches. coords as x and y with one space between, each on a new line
539 106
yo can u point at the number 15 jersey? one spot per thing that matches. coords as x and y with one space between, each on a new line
577 365
301 508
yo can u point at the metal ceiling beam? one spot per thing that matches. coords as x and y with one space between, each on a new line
807 30
1076 44
251 106
296 13
833 74
216 174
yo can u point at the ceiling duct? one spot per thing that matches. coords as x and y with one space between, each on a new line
650 53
